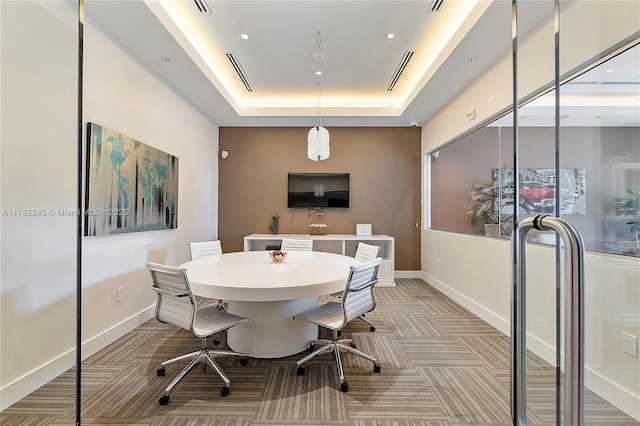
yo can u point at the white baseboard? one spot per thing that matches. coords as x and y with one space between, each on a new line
611 392
103 339
407 274
399 274
23 386
490 317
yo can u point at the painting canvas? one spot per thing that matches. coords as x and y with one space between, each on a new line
538 186
130 186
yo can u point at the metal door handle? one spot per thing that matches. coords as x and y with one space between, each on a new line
574 318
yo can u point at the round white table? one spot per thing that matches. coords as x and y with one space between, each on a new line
270 294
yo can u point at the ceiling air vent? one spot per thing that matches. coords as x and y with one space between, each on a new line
401 67
435 6
202 6
236 66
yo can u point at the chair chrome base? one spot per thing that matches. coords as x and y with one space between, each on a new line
371 326
335 346
203 356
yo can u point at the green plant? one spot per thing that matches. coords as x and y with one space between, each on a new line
629 207
492 202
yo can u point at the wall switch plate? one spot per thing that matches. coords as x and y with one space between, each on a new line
630 344
119 294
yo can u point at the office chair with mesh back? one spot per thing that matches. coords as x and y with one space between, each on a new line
177 305
357 298
292 244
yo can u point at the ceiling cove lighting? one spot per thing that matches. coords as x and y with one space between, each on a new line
318 136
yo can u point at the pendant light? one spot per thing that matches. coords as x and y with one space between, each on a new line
318 137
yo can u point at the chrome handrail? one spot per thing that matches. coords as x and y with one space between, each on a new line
574 318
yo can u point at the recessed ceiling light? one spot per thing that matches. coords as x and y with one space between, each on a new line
244 36
610 70
390 35
318 72
165 59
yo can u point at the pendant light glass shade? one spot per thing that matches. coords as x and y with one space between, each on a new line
318 143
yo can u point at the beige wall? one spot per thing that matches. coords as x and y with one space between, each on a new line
384 167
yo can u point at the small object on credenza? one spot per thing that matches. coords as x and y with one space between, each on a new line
363 229
318 229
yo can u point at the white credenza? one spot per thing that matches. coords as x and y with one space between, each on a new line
336 243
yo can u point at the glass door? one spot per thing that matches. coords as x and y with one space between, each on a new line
576 150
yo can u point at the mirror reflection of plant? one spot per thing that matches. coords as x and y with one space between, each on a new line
492 201
629 207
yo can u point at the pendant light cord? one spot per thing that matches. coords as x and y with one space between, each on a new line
319 56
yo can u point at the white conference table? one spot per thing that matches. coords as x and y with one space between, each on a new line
270 294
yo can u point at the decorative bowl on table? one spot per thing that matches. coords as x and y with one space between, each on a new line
277 255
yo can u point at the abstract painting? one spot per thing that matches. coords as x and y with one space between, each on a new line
130 186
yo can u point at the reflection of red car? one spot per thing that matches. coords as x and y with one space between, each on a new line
538 197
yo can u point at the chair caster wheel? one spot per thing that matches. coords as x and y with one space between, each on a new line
161 372
300 371
243 361
372 328
353 345
344 386
224 391
376 368
164 400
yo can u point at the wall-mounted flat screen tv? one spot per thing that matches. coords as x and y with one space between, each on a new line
314 190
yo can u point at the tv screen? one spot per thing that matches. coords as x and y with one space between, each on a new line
313 190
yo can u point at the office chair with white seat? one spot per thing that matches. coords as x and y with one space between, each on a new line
204 248
357 298
199 249
291 244
364 253
176 304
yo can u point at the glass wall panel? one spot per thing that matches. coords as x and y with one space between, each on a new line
570 144
38 260
600 142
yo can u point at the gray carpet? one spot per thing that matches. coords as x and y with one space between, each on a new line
441 365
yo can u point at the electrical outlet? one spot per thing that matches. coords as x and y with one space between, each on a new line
630 344
119 294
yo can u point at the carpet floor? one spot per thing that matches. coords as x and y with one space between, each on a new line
441 365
